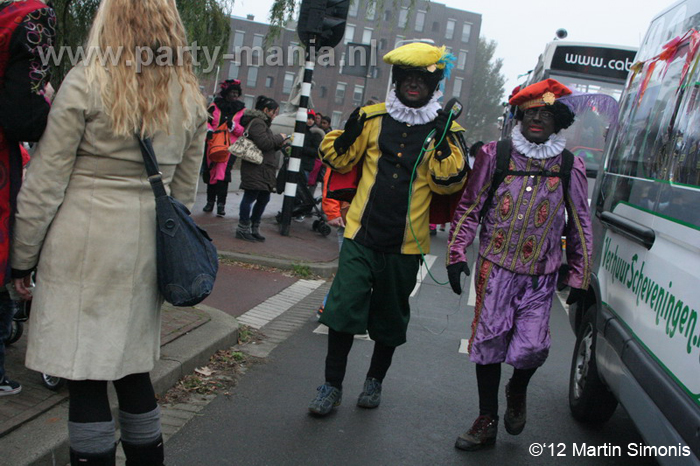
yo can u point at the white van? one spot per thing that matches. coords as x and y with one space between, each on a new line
638 329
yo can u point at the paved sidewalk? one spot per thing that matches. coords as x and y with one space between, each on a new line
189 336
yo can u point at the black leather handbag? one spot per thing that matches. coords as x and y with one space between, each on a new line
186 258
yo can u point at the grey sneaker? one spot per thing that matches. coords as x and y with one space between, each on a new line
9 387
328 397
371 394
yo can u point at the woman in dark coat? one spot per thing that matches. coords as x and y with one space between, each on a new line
217 175
258 181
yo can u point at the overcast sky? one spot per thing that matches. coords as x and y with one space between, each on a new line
522 28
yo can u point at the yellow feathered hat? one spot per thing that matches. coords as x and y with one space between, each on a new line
422 55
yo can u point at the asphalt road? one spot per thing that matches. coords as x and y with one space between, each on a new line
430 397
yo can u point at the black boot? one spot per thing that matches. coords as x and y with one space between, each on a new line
255 232
150 454
220 210
107 458
482 434
209 206
243 231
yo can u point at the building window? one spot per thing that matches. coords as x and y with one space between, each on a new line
249 101
387 15
357 94
457 89
450 29
269 81
238 39
448 49
367 36
399 39
340 93
462 60
420 21
354 7
403 17
233 70
382 44
288 82
436 26
335 119
257 45
324 91
349 33
466 32
252 77
371 14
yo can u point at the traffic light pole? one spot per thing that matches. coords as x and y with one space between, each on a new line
294 175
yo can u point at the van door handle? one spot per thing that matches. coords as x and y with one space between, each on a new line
629 228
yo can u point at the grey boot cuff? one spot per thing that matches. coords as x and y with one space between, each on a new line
140 429
91 437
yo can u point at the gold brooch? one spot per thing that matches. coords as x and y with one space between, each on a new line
431 68
548 98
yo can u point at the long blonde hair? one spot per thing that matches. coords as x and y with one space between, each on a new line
138 100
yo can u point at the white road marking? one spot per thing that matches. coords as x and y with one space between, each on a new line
274 306
429 261
464 346
323 330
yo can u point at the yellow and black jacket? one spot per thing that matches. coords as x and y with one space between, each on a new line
388 150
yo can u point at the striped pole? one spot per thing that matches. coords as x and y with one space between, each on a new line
294 166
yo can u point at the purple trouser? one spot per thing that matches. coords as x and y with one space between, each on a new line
511 317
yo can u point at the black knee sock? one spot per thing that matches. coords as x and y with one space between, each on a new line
339 345
520 379
381 360
488 377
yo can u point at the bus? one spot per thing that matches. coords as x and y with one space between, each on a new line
588 68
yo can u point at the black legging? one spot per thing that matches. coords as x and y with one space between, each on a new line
217 192
488 378
339 345
89 401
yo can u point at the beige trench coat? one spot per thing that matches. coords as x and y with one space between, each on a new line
86 220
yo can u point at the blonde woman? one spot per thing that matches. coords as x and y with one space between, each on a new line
86 223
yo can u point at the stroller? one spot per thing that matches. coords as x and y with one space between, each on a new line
305 203
21 315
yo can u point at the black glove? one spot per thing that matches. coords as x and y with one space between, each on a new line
576 294
443 150
454 272
353 129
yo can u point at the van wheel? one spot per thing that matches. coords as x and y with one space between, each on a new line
589 398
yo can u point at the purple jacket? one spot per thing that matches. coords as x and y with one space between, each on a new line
522 230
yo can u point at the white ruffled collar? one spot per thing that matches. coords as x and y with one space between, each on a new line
550 148
410 115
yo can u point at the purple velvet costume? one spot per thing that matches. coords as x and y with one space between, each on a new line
520 253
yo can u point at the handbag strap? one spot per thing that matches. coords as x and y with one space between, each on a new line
155 177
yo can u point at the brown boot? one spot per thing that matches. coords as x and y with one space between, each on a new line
516 412
482 434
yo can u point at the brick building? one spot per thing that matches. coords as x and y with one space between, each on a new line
335 93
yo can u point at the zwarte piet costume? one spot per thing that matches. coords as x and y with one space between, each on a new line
381 252
520 249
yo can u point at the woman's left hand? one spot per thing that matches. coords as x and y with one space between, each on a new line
22 287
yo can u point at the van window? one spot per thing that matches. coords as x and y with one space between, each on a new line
644 123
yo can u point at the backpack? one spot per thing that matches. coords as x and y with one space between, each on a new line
503 149
218 144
